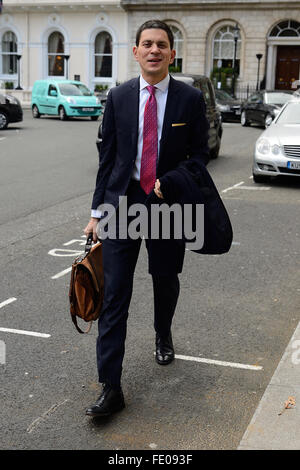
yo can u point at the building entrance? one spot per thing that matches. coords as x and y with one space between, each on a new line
287 67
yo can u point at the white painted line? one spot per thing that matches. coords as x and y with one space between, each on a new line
62 273
256 188
64 252
218 363
232 187
7 302
2 138
45 415
24 332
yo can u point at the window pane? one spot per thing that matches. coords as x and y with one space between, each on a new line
9 64
9 42
56 43
103 43
227 49
103 66
56 65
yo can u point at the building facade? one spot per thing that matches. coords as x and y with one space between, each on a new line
92 40
206 33
86 39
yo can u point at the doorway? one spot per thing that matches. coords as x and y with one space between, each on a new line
287 67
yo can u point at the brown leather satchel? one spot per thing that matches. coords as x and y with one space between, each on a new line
86 285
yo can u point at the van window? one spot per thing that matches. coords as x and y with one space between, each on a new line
74 89
51 87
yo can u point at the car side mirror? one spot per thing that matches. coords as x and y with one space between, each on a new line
53 93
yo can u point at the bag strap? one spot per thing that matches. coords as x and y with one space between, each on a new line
74 318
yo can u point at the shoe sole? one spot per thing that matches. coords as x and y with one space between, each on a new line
164 363
91 413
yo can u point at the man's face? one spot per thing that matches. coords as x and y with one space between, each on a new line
154 54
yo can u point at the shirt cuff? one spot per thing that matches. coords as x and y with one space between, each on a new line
96 214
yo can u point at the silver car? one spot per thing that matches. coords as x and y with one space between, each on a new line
277 150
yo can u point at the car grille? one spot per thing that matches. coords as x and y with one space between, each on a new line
288 170
292 151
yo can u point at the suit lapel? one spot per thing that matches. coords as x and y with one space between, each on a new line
170 112
133 112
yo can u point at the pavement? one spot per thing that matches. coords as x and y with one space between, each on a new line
276 423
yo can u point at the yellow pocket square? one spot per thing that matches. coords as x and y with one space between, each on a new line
179 124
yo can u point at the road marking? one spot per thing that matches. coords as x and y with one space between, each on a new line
2 138
64 252
218 363
24 332
256 188
232 187
62 273
7 302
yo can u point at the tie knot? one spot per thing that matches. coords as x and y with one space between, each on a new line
151 89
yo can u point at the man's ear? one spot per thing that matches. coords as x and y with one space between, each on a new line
173 53
134 50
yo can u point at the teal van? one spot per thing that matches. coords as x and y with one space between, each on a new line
64 98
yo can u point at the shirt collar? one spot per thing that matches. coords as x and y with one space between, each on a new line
162 85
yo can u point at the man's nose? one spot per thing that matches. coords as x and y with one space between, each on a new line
155 48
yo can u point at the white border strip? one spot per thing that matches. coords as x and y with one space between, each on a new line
7 302
24 332
62 273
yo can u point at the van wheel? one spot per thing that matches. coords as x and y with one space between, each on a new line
3 120
62 114
35 112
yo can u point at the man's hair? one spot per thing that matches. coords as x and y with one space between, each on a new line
155 24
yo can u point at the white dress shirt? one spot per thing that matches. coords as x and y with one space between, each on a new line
161 94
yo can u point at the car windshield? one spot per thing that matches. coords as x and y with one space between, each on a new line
290 115
221 94
277 98
74 89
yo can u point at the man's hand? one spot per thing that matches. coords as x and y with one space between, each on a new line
91 228
157 189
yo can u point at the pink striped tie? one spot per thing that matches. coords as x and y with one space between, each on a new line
149 154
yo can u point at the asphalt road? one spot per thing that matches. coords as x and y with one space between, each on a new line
236 310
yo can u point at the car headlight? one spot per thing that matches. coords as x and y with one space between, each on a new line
224 107
12 99
70 100
98 101
264 147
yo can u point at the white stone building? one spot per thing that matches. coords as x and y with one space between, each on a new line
63 38
98 35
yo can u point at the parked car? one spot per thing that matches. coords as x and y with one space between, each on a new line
229 107
65 98
263 106
10 110
212 112
277 151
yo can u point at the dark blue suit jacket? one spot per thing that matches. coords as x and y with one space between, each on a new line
185 105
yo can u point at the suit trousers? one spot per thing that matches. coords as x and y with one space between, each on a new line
165 258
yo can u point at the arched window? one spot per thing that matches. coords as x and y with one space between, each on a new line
9 46
178 46
223 48
56 58
103 55
287 28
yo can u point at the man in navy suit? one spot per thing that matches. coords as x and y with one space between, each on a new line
178 132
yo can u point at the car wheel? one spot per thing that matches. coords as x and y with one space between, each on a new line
94 118
3 120
244 120
268 120
215 151
62 114
35 112
260 178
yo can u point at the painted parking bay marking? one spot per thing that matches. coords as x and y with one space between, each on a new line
65 252
20 332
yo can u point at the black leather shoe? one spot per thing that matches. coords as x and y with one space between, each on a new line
164 349
109 402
